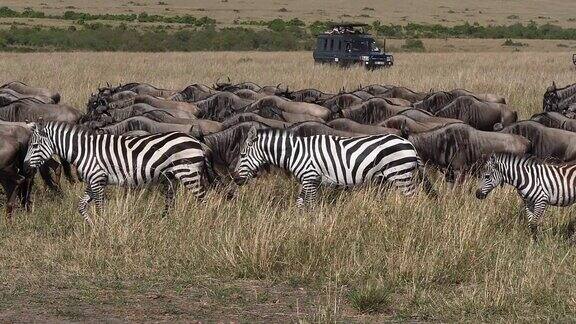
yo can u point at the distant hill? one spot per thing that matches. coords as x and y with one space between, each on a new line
446 12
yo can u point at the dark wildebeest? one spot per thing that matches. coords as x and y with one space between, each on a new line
478 114
11 157
141 109
25 109
311 128
249 94
188 108
290 107
225 145
197 128
21 132
27 90
271 112
403 93
435 101
221 105
372 111
233 87
554 95
567 106
308 95
340 101
8 95
461 148
414 126
550 144
555 120
194 92
377 89
351 126
141 88
121 99
488 97
244 117
365 95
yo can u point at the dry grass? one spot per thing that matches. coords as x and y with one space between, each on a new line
359 255
559 12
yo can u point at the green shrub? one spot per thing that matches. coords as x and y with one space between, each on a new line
414 45
370 298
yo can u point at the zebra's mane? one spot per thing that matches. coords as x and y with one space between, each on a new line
527 160
71 127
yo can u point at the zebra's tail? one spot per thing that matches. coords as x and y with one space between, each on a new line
428 188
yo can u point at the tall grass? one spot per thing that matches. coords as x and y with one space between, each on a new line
367 253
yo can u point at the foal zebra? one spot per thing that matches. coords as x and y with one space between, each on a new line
331 160
103 159
539 184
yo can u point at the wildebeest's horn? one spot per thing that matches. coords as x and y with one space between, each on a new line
228 79
107 84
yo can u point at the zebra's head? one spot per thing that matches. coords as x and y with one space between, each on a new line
491 179
250 160
40 148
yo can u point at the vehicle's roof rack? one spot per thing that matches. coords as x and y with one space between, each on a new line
345 28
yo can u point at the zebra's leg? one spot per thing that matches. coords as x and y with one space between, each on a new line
169 193
67 168
97 188
191 180
83 205
534 212
309 191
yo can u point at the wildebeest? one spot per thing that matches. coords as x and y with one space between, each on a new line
244 117
225 145
340 101
141 88
348 125
197 128
555 120
30 109
554 95
194 92
11 154
479 114
227 86
220 106
311 128
460 147
372 111
403 93
8 95
551 144
435 101
308 95
377 89
401 121
25 89
488 97
188 108
290 107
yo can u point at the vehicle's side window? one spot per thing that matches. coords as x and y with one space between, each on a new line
348 47
325 43
339 45
332 44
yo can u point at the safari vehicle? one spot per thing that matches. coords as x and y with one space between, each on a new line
348 44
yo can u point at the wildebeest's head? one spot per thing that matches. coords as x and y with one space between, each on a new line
551 99
491 179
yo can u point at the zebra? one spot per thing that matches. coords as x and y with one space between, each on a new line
331 160
103 159
538 183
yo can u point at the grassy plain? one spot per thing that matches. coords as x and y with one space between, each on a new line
359 255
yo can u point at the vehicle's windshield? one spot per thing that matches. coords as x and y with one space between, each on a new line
367 45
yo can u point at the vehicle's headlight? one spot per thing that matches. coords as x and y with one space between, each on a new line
365 58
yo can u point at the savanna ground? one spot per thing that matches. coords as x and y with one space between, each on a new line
360 255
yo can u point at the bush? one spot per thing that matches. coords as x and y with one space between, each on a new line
509 42
370 298
414 45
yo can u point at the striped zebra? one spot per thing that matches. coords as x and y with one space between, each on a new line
103 159
331 160
539 184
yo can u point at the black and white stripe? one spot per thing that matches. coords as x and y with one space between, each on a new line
103 159
330 160
539 184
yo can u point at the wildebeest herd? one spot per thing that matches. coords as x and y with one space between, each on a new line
135 134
